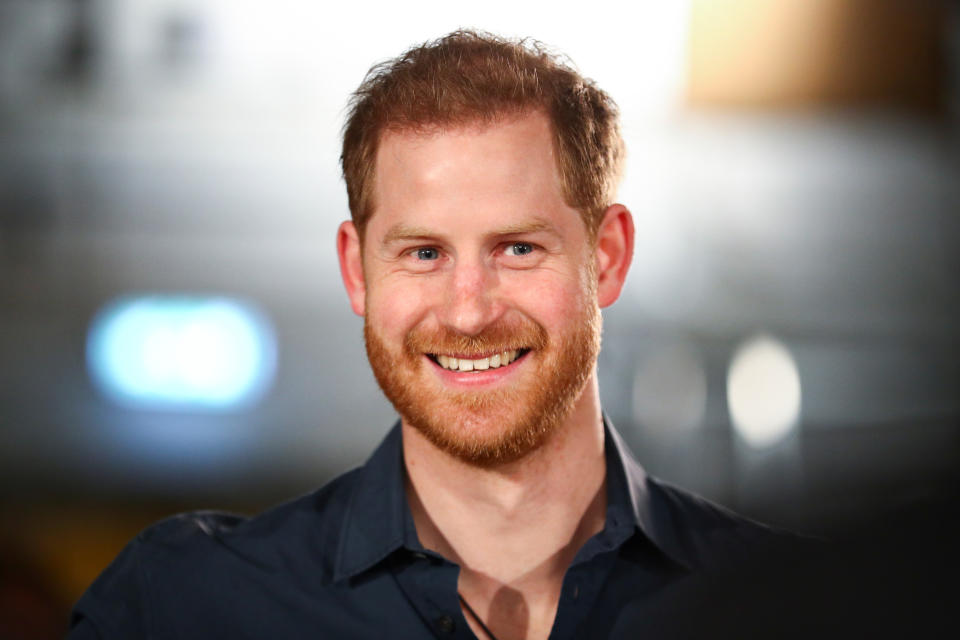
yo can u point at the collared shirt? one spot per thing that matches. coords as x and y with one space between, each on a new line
346 562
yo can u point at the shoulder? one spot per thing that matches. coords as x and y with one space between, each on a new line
692 531
191 559
313 520
709 536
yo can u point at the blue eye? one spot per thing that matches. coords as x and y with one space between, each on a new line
519 249
427 253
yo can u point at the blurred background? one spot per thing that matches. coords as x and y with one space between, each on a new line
173 331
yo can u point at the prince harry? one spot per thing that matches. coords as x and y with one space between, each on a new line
484 240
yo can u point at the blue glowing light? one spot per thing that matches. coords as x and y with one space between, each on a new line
181 353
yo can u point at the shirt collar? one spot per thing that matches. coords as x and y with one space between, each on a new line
630 487
378 521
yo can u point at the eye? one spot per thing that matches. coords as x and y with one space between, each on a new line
427 253
518 249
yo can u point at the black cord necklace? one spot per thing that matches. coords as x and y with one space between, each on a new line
467 606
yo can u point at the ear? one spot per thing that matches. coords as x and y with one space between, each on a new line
614 252
351 266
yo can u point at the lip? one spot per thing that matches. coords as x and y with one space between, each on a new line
477 378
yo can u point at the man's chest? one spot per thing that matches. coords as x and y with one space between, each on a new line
407 596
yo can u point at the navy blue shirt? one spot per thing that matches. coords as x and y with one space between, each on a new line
345 562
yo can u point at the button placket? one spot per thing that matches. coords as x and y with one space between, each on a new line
430 584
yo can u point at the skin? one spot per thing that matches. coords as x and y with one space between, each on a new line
468 196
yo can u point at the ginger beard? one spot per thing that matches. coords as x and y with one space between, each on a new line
489 427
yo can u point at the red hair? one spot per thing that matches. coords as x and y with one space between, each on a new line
471 77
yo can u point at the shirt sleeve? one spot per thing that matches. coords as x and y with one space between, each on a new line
115 605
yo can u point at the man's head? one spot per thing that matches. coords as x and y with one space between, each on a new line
469 78
479 281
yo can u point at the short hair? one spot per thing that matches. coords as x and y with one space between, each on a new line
473 77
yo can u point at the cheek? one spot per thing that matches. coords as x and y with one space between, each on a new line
552 301
395 306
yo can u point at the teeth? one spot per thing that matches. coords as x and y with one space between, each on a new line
463 364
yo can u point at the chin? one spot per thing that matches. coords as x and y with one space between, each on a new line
493 439
499 423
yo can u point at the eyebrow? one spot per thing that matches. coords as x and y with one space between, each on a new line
402 232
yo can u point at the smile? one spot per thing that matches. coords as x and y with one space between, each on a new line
453 363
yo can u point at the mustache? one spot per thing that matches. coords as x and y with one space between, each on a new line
495 338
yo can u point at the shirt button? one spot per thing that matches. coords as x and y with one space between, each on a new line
419 556
445 624
576 591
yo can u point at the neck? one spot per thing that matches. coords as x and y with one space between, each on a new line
513 529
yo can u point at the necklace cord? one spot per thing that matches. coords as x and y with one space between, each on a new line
473 613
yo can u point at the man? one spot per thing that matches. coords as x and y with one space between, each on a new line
484 240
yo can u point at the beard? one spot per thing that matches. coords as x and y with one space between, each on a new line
489 427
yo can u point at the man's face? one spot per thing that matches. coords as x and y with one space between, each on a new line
482 324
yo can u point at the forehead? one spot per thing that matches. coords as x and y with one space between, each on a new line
507 167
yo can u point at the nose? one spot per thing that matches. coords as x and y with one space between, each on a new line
469 303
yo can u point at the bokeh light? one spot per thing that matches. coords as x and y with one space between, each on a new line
177 353
763 392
